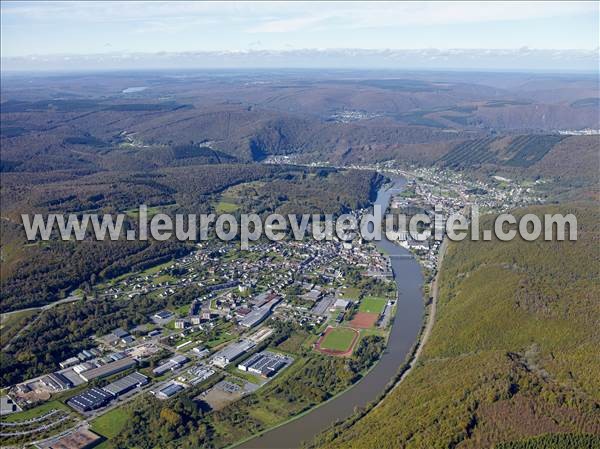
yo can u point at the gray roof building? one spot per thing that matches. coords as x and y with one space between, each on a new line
110 368
228 354
125 384
90 399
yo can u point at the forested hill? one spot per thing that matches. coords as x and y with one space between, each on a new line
32 275
513 358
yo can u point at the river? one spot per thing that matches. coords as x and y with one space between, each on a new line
404 334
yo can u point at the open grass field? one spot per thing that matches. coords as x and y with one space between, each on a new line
230 199
11 324
164 278
338 340
224 207
372 304
294 343
350 293
35 412
183 310
111 423
219 340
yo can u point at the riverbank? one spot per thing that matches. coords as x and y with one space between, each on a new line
430 321
405 370
406 328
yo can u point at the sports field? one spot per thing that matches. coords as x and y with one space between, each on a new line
339 339
372 304
364 320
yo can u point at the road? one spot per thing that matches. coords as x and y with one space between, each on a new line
71 298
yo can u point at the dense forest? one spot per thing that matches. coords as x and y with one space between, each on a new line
554 441
512 355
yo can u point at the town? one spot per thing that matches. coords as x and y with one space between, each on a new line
335 291
217 338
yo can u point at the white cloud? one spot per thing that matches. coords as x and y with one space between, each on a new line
49 27
286 25
293 16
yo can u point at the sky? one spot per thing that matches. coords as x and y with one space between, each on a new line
122 28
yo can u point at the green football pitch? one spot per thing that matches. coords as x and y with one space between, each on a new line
372 304
338 339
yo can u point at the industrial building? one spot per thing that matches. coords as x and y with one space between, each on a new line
341 304
84 367
258 315
125 384
169 390
154 333
57 381
119 333
69 362
200 373
249 362
90 400
172 364
110 368
263 298
200 351
265 364
228 354
162 317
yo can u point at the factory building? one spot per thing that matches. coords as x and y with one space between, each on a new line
109 369
169 390
265 364
125 384
172 364
227 355
90 400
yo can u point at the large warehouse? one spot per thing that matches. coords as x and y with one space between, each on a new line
125 384
107 370
227 355
90 399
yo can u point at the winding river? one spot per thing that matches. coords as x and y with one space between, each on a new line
404 333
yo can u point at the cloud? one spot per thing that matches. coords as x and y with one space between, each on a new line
286 25
489 59
277 17
49 27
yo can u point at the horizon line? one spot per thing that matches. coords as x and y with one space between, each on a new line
314 49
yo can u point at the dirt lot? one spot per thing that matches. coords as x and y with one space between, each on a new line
221 395
364 320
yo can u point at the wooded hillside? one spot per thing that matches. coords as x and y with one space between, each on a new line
513 355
